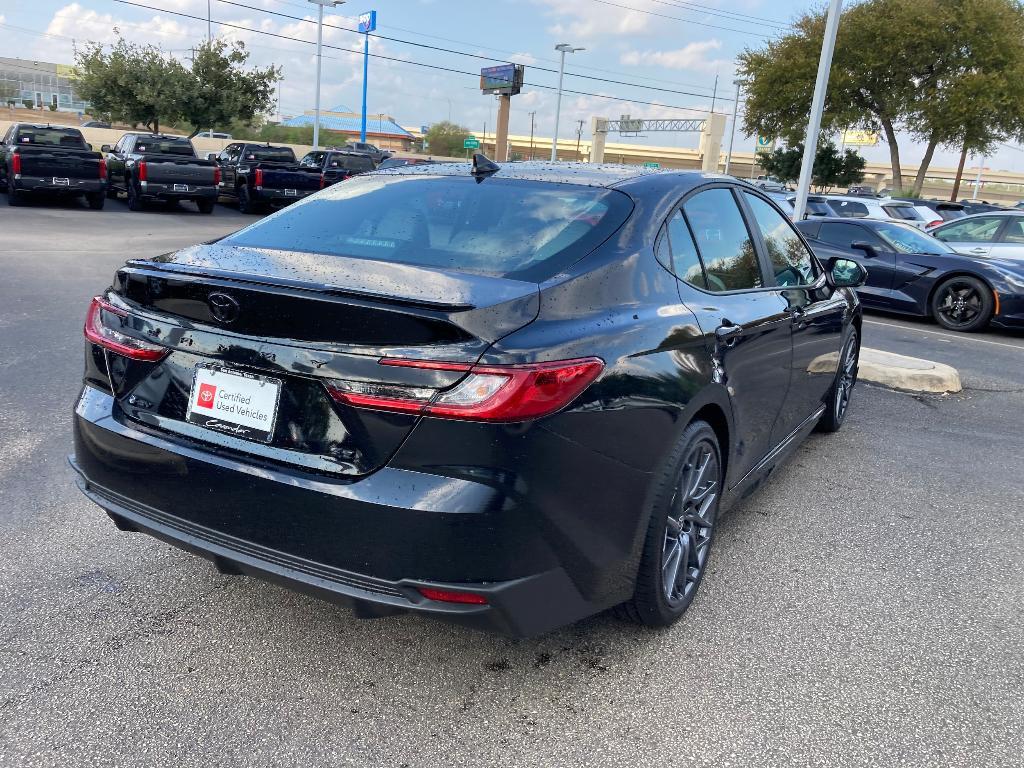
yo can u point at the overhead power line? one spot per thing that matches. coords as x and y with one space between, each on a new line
411 62
723 13
684 21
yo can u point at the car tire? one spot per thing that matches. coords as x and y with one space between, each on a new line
134 198
245 204
837 402
95 200
205 206
962 303
686 495
14 196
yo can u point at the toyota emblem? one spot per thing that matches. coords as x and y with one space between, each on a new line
224 308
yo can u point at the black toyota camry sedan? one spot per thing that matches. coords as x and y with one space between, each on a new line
911 272
508 397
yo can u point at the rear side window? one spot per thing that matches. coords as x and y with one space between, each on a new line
980 230
904 212
685 260
790 259
525 230
1014 231
724 244
849 209
843 235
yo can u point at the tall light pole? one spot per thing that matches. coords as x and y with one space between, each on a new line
732 136
209 23
828 46
367 24
532 115
564 48
319 58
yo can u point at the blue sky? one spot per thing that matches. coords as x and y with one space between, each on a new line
673 45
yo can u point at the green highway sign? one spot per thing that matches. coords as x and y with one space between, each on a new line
472 142
652 165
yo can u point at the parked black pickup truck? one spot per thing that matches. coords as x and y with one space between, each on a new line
37 159
148 166
336 165
262 176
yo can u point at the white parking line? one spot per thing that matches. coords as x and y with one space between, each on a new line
955 337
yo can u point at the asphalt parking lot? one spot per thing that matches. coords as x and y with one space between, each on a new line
863 609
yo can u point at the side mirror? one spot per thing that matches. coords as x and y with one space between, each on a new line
106 148
845 273
211 155
869 250
89 146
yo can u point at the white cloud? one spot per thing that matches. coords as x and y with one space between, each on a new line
693 56
581 20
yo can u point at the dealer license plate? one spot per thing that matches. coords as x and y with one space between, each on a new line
181 187
291 193
61 182
234 402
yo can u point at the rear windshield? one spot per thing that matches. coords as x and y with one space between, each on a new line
174 146
269 154
50 137
358 163
524 230
906 212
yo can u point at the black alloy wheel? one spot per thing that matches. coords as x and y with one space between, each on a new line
680 531
244 202
838 401
963 303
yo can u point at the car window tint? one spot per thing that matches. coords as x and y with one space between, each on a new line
526 230
842 235
1014 231
849 209
730 261
980 230
905 212
685 261
791 261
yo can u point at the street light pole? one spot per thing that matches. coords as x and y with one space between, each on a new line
532 115
732 136
319 58
209 23
564 48
828 46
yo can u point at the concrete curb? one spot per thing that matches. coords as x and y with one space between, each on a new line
910 374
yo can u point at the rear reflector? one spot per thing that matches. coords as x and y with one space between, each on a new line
99 332
503 393
451 596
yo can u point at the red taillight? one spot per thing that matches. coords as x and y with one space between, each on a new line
216 175
257 177
502 393
323 181
451 596
16 164
110 338
931 224
142 171
103 169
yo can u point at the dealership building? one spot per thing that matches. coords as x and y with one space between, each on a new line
381 129
40 84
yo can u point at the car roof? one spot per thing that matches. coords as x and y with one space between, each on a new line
989 214
587 174
45 125
155 135
856 220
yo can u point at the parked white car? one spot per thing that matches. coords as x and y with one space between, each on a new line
881 208
999 234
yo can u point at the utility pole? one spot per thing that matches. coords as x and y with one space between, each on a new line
714 93
732 135
579 135
564 48
977 179
319 58
532 116
828 46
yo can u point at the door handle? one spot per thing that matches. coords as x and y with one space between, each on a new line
979 250
728 332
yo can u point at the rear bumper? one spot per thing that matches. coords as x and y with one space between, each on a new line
367 543
278 197
156 191
45 185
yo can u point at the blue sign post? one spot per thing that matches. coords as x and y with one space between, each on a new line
367 24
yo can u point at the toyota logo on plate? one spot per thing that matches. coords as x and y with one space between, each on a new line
224 308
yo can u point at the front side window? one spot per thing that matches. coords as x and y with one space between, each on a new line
980 230
519 229
790 259
730 261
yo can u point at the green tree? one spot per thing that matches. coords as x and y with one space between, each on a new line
133 83
933 68
222 92
831 168
445 139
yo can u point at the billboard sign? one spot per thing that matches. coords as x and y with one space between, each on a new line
367 21
765 143
505 79
860 138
